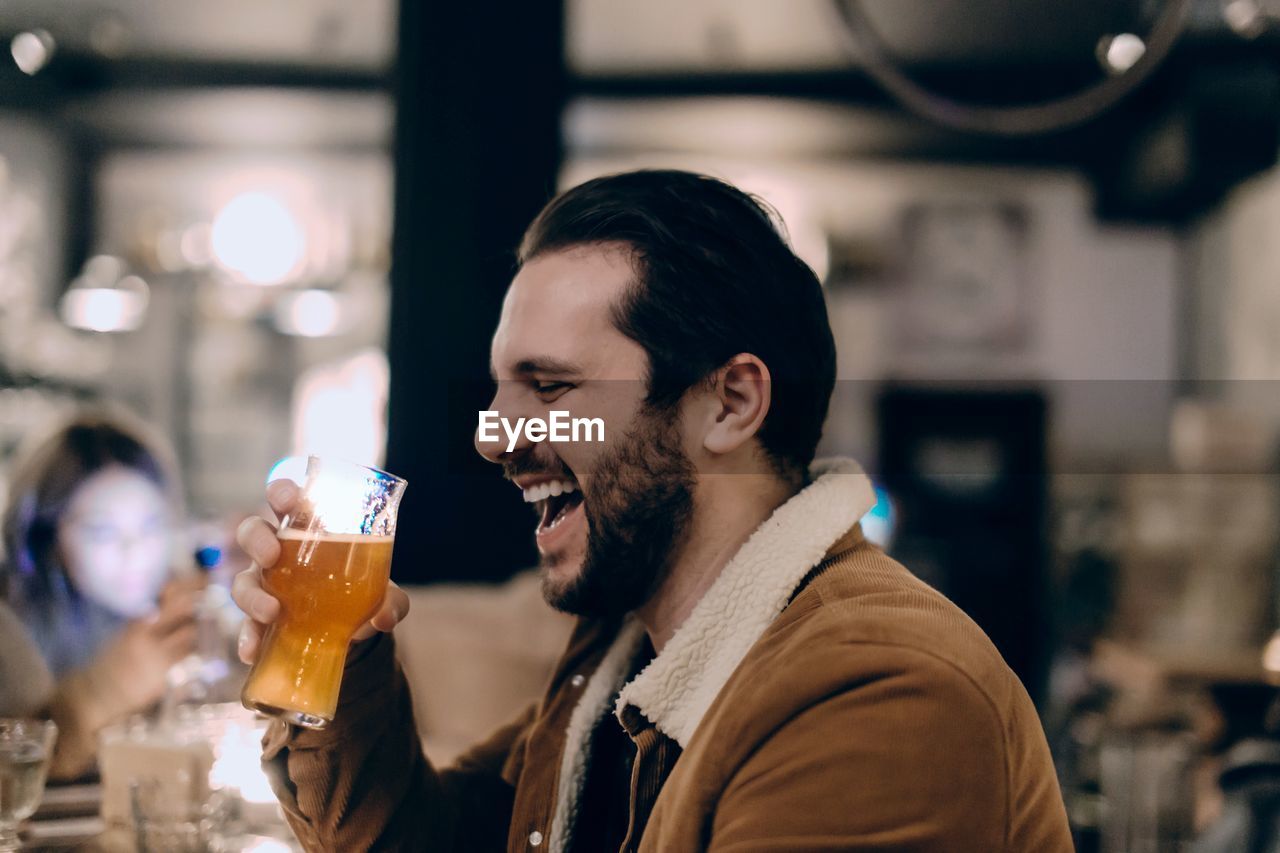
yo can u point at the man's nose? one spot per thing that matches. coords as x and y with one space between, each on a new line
506 406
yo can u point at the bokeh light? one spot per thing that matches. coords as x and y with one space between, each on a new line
257 237
32 50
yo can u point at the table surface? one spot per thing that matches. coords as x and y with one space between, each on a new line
68 820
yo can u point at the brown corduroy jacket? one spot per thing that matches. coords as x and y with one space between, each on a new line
866 713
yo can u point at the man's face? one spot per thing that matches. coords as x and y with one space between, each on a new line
611 514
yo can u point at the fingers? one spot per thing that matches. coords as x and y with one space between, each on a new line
249 641
179 643
249 596
176 610
183 585
187 588
261 607
395 606
258 539
282 495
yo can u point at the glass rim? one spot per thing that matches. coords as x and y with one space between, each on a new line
379 473
11 726
33 721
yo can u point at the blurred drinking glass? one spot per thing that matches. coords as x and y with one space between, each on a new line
163 823
25 749
335 562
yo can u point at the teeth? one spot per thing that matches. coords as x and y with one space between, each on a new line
542 491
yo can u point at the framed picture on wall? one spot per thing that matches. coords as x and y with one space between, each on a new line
965 272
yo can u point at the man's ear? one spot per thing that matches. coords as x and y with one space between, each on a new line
740 402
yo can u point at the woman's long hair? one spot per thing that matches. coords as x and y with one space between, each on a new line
42 485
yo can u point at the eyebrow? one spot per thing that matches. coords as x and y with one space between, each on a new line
541 365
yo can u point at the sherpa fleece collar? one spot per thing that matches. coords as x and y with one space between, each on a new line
678 686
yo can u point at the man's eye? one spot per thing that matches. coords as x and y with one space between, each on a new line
551 389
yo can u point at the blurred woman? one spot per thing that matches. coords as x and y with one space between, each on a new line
89 534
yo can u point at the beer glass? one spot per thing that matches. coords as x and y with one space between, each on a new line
335 562
26 746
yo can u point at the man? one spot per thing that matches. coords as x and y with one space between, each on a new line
748 672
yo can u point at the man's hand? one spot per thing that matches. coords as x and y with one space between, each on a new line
257 537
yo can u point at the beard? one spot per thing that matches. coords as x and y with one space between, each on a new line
638 516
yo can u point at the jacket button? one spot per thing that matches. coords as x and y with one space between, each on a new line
578 680
535 838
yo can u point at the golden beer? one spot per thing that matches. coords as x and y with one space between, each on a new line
328 585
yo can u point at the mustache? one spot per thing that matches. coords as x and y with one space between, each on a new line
537 467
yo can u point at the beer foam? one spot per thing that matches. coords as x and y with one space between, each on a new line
354 538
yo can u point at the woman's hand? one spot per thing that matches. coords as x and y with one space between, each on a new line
130 673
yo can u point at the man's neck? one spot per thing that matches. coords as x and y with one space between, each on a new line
728 509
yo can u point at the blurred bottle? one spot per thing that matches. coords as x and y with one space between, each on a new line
212 673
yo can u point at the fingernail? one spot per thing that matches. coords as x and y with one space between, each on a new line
288 491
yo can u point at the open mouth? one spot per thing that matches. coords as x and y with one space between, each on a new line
554 501
557 509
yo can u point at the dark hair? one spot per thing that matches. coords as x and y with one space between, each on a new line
714 278
44 482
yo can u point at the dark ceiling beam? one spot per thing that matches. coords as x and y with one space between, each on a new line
75 75
982 82
1004 82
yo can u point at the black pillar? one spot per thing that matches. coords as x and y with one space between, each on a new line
968 470
479 92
